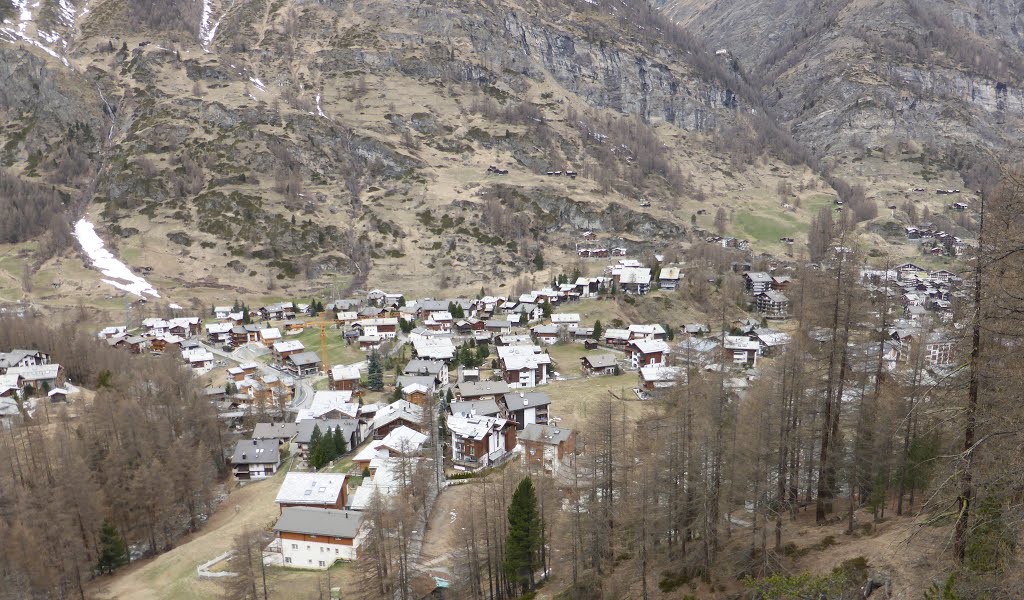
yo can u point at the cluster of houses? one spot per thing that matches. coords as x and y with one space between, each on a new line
936 242
923 293
25 374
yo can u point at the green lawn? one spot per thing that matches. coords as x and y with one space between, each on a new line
570 399
338 352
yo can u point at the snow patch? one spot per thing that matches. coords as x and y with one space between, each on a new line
319 110
21 36
120 276
206 29
259 84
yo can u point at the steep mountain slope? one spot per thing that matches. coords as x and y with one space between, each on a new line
239 145
944 76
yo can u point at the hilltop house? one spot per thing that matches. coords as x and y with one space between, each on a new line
523 366
344 378
314 538
395 415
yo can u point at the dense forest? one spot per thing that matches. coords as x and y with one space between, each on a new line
140 462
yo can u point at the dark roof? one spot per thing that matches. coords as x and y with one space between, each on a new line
482 388
600 361
256 452
522 400
304 428
266 431
544 433
304 358
328 522
485 408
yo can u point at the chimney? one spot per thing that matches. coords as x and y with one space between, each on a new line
254 442
243 456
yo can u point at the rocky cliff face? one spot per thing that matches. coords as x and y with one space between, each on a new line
851 72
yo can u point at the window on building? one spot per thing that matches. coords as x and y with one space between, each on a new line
322 563
288 559
295 546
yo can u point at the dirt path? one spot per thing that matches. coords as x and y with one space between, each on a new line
172 575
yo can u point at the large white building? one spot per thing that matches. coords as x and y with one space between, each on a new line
314 538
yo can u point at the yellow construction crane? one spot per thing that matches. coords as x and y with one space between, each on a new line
323 340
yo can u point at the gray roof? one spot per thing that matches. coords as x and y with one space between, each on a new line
304 429
328 522
759 276
403 381
601 361
544 433
304 358
482 388
256 452
486 408
522 400
267 431
423 366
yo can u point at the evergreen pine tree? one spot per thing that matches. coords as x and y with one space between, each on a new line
314 447
339 442
113 551
375 373
525 536
546 307
538 260
597 330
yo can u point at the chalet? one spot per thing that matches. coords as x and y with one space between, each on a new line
137 344
315 490
351 432
669 278
742 350
781 283
523 366
434 348
199 359
498 326
396 414
284 433
427 306
278 311
588 287
426 381
909 272
696 329
184 326
545 334
270 336
283 349
58 395
344 378
599 364
315 538
219 333
757 282
401 441
513 340
472 408
645 352
255 459
769 340
22 358
108 332
437 369
482 390
10 386
942 276
772 304
43 377
440 320
548 448
654 377
385 328
164 342
647 332
565 319
329 404
294 326
417 393
633 280
246 334
242 371
302 364
527 408
616 337
478 442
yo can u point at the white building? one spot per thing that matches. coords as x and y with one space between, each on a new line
314 538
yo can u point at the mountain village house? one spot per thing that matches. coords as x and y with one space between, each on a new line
548 449
255 459
478 442
314 538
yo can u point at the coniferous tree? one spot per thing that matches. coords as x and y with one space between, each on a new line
375 373
113 551
597 330
524 538
339 442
